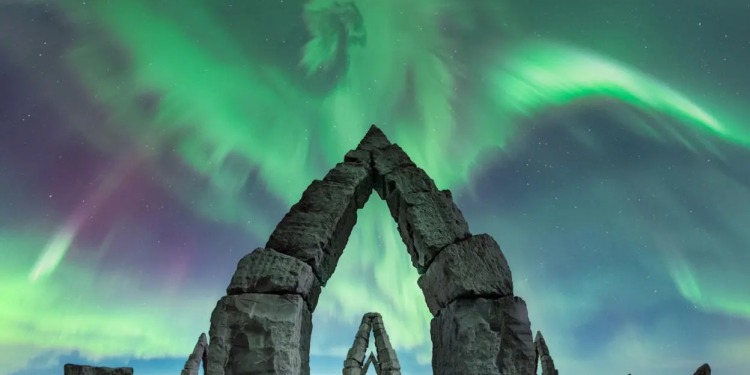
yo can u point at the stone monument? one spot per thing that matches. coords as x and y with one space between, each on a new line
263 324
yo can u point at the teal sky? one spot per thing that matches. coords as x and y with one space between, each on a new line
145 147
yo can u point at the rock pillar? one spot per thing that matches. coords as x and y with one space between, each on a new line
199 354
543 356
479 327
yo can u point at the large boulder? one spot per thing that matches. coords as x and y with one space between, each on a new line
317 228
268 271
428 222
260 334
483 336
469 268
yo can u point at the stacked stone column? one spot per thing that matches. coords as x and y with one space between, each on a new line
263 325
198 356
543 357
479 327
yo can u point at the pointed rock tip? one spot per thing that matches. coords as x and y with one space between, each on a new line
538 336
374 129
374 138
705 369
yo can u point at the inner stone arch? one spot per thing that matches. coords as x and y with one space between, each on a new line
374 274
478 325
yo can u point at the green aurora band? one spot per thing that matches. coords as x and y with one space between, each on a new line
219 100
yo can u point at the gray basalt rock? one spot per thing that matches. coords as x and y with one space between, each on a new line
405 180
356 355
317 228
199 354
428 222
355 175
483 336
361 157
543 356
260 334
373 140
387 358
427 218
385 161
268 271
705 369
469 268
71 369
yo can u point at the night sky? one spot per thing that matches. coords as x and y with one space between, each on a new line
146 146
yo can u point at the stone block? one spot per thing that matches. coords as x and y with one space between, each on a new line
352 175
427 222
405 180
268 271
317 228
260 334
468 268
351 362
386 160
483 336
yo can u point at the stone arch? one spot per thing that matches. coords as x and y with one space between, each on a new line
386 361
478 325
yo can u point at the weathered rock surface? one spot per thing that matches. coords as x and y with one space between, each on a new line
427 222
356 355
361 157
317 228
268 271
260 334
374 139
428 219
469 268
405 181
387 358
543 356
199 354
705 369
386 160
483 336
355 175
71 369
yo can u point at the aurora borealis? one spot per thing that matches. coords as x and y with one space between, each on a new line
146 146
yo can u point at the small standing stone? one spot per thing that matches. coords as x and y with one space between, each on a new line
71 369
